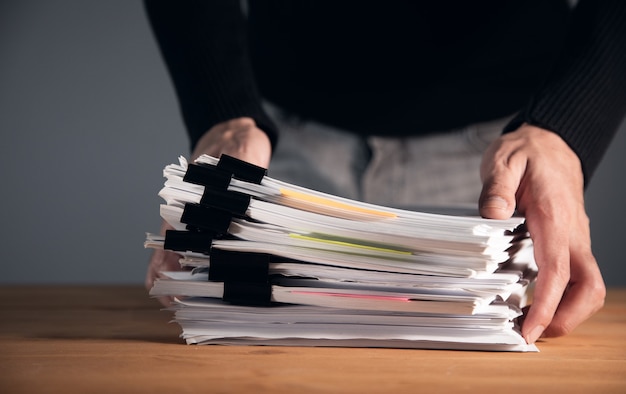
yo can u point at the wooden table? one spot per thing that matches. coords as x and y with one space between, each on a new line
115 340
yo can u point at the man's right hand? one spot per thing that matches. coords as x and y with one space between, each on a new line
240 138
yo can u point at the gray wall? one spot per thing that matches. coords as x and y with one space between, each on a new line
88 118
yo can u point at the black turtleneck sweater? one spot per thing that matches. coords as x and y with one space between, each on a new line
401 67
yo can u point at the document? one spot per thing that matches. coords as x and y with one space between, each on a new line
266 262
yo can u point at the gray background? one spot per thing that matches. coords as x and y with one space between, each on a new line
88 119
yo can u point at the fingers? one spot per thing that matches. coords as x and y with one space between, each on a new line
580 302
497 199
569 287
501 173
551 240
161 260
586 291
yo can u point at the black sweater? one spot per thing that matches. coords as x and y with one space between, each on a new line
401 67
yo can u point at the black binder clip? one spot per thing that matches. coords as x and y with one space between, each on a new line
207 175
245 276
188 241
227 265
252 294
204 218
241 170
234 202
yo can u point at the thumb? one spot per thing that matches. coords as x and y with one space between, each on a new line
500 185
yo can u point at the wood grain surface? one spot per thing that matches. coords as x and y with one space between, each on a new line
114 339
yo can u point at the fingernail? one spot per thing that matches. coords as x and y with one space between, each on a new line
496 202
534 334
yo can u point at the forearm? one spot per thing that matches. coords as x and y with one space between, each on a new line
205 49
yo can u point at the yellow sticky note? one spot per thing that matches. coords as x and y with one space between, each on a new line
350 244
326 202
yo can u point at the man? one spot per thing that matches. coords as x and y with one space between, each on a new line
398 88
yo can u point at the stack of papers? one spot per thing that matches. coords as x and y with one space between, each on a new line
269 263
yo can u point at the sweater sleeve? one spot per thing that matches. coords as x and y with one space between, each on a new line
204 44
584 98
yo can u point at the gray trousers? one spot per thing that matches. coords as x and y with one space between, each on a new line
434 170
